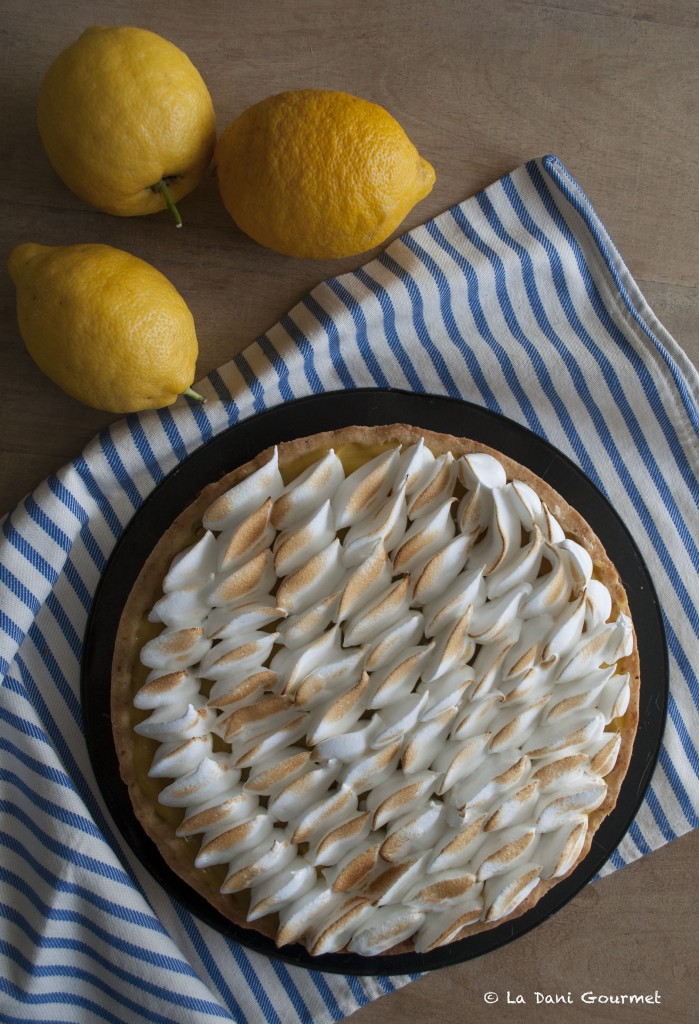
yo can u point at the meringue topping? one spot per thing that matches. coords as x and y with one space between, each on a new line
385 697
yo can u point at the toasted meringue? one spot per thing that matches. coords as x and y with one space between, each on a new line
217 813
268 895
340 925
415 465
245 497
393 694
185 606
361 493
441 928
176 648
321 575
254 534
161 689
387 927
244 583
434 487
425 538
366 581
296 546
305 913
271 856
213 775
504 893
307 491
386 526
193 565
414 832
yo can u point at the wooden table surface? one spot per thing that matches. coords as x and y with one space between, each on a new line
612 88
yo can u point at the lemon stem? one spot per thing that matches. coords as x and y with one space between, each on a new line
162 187
191 393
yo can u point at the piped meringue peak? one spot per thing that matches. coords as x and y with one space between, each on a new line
393 694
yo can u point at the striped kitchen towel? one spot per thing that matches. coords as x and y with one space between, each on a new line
515 300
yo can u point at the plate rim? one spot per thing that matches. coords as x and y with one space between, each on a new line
370 404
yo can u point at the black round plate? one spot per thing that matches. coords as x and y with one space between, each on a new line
236 446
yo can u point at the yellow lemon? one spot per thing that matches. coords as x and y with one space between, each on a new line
105 326
126 120
319 174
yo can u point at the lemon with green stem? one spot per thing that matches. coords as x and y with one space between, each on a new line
126 121
104 325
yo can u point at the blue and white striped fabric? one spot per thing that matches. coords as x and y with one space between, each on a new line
515 299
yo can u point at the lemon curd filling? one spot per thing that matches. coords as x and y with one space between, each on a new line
415 681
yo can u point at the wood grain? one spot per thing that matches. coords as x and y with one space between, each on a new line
611 87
